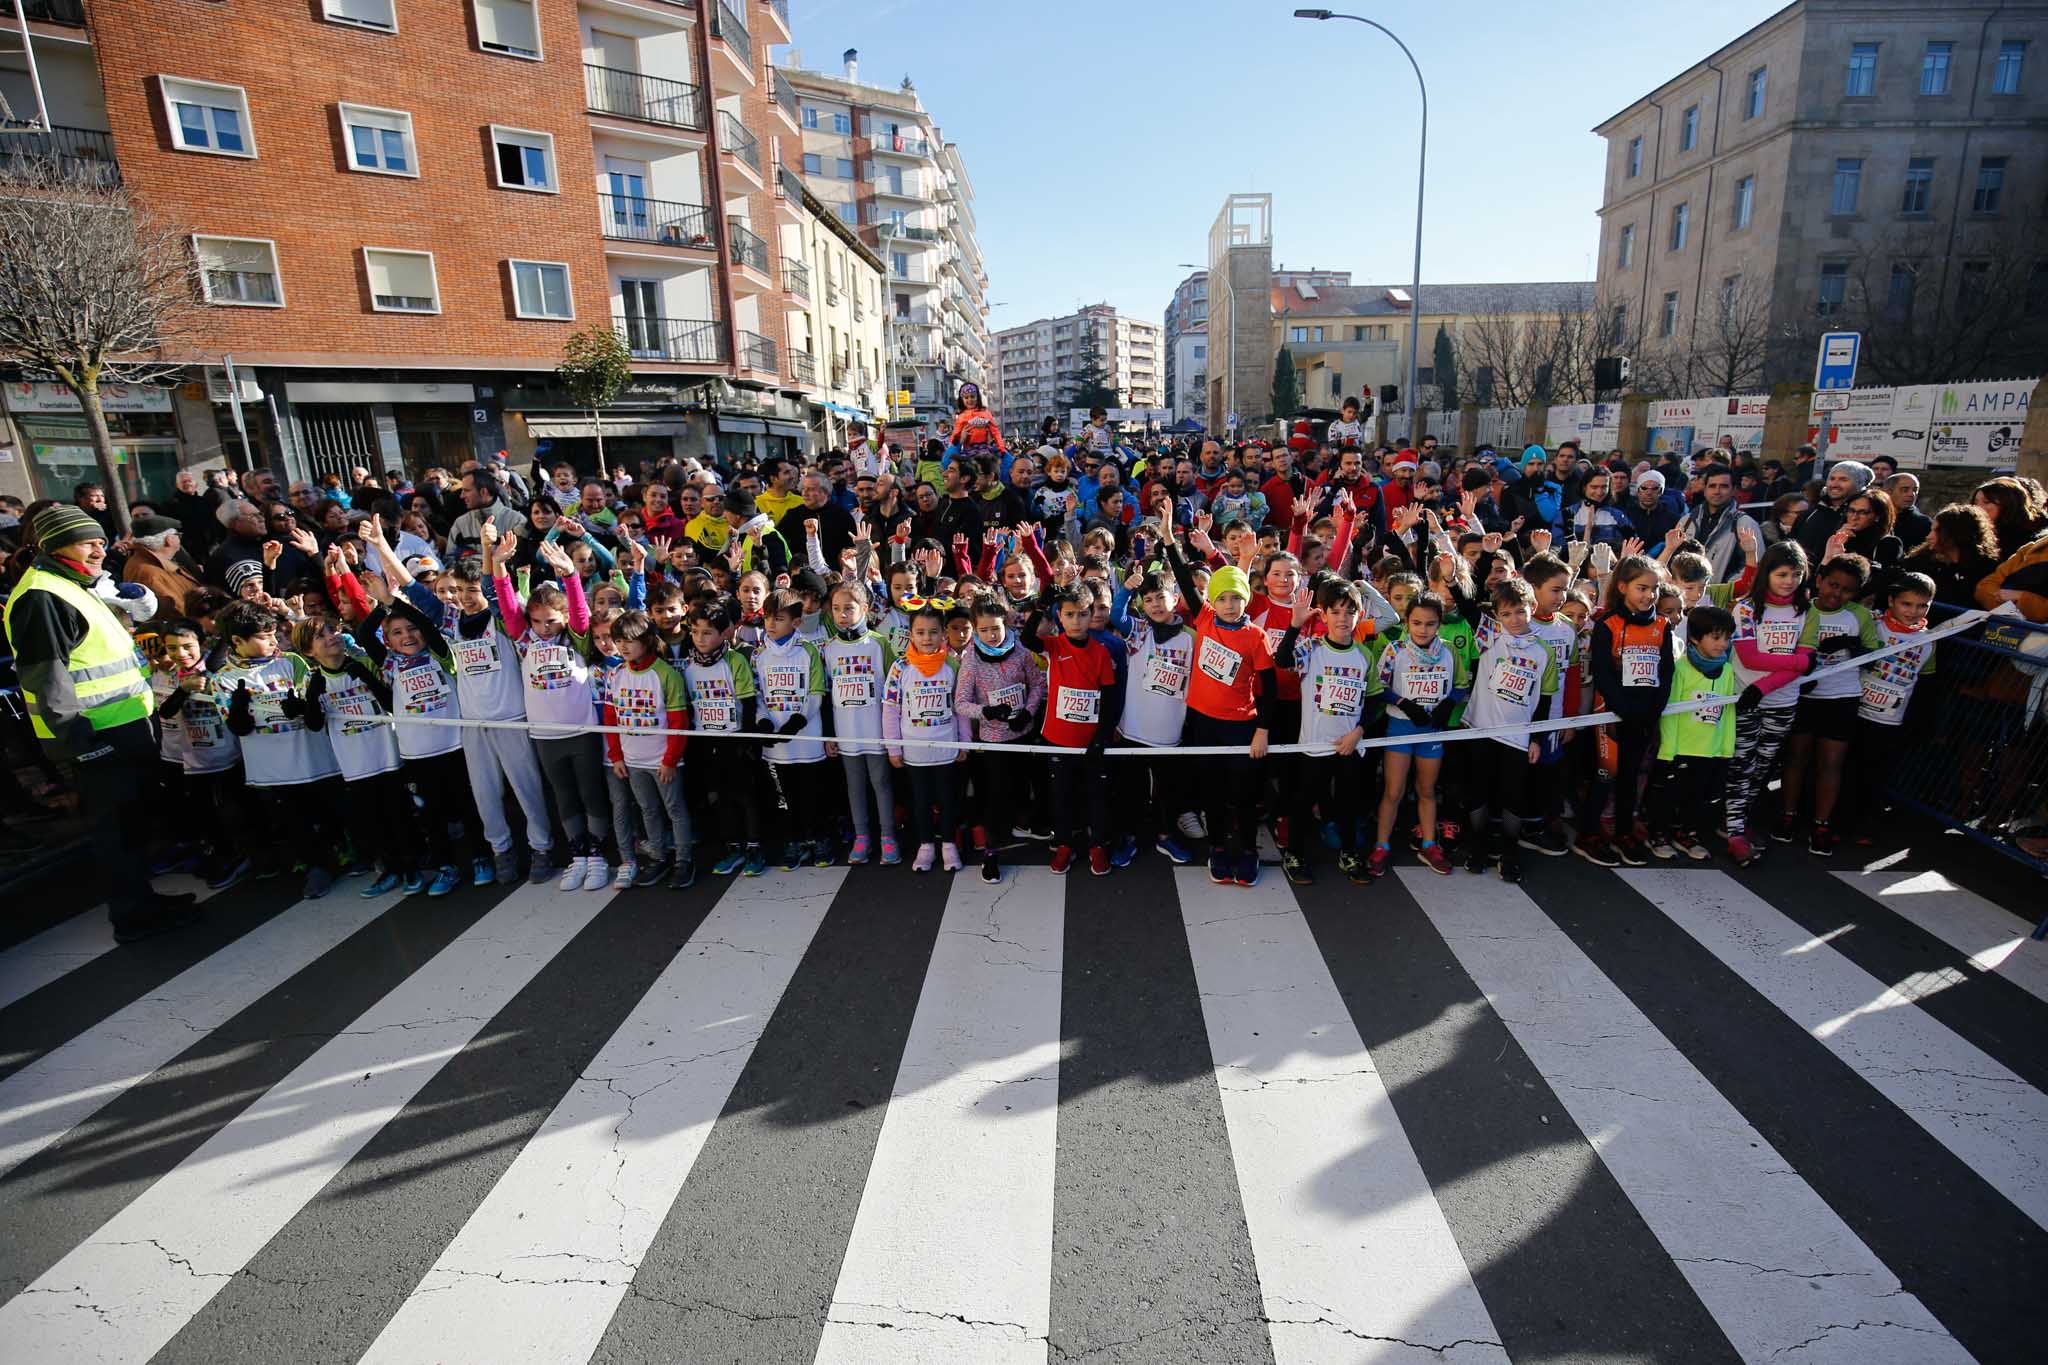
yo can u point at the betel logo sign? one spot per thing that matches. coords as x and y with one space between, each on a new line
2000 439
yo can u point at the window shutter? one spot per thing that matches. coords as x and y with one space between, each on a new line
395 275
507 24
221 253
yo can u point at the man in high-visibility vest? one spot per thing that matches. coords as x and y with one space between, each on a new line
88 699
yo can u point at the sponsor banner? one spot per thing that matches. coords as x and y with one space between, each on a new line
1739 417
1595 426
36 395
1884 421
1978 424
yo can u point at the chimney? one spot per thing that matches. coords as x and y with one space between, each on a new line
852 60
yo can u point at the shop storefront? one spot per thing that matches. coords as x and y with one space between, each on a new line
53 449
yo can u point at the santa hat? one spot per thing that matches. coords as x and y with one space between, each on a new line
1406 459
1301 440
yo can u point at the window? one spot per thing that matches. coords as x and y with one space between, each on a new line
401 281
899 264
1848 185
1919 185
1898 297
1745 200
1834 287
842 168
1626 254
238 272
379 140
1862 70
375 14
1689 129
508 27
813 164
842 123
1635 157
540 289
526 160
1680 216
1934 68
1667 319
848 214
1973 289
1731 292
1617 325
810 116
1759 80
902 305
2012 57
1990 185
208 118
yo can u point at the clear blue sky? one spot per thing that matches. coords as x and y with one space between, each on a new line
1102 135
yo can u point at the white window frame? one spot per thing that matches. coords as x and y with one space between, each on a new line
554 165
206 290
240 102
433 274
539 53
568 291
348 145
327 13
1745 202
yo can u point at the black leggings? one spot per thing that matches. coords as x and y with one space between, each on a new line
574 771
1332 784
1501 771
442 783
1230 782
1133 782
933 784
305 822
1636 740
999 780
377 809
1080 787
802 787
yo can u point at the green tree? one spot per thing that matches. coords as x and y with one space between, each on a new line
1446 362
595 368
1286 396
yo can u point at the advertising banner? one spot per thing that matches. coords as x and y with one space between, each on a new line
1978 424
1885 421
36 395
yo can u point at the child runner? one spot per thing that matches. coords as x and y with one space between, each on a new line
1420 680
857 663
1770 622
920 702
1838 628
648 698
1631 655
727 774
292 766
1694 747
1334 669
1080 678
789 680
1001 690
1516 682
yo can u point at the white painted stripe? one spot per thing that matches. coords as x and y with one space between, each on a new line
1773 1264
950 1260
538 1270
48 1097
133 1284
1992 938
1356 1261
35 962
1994 1122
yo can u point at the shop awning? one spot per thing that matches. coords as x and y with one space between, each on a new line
564 428
742 426
789 429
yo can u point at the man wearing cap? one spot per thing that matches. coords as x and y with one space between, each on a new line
89 702
1649 515
1830 510
764 547
1536 498
153 562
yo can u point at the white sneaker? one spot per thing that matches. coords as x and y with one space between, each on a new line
1190 825
949 856
597 876
628 872
572 874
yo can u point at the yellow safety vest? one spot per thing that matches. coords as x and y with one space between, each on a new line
106 672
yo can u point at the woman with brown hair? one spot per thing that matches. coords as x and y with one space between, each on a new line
2016 518
1958 553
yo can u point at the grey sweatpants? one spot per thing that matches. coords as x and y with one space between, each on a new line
494 758
574 767
663 810
865 772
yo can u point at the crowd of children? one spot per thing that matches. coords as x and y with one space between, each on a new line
938 699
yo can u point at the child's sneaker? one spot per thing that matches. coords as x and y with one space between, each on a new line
1822 842
1479 857
1662 848
685 874
1353 866
502 868
1247 872
1786 831
755 864
545 869
1175 854
1124 852
238 872
991 868
1433 857
597 874
735 858
892 852
414 883
1595 849
857 855
445 881
1296 869
1190 825
652 873
821 853
1510 865
383 886
1376 861
1690 847
949 857
1551 843
926 856
573 873
1098 861
319 882
627 876
1630 850
795 854
1741 852
1221 865
1062 859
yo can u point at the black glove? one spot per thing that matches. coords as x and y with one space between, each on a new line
292 707
1414 710
764 724
1440 714
1751 698
792 725
1839 644
1000 711
316 688
1890 550
241 720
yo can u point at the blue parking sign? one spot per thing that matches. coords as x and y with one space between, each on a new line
1836 368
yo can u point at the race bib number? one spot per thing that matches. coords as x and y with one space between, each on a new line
266 708
347 708
714 715
1220 662
1166 675
928 702
853 689
422 691
639 708
1273 639
1883 701
1515 683
1639 666
1011 696
1079 705
783 688
548 668
203 727
1706 715
1340 696
1429 684
1777 637
478 657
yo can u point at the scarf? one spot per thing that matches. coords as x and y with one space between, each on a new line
705 660
1710 667
997 656
927 664
850 636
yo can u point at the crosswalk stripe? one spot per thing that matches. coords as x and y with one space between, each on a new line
49 956
128 1288
1776 1267
43 1100
540 1266
951 1254
1350 1242
1991 1119
1993 940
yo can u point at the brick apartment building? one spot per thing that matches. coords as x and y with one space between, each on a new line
401 209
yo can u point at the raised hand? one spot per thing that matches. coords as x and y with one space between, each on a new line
271 551
304 541
1632 546
1539 541
661 545
1673 536
557 559
489 536
1490 542
636 556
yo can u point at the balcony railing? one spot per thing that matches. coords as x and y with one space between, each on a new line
682 340
792 184
747 249
733 137
783 93
68 149
651 99
796 279
841 368
901 144
756 351
803 367
726 23
781 8
49 11
629 218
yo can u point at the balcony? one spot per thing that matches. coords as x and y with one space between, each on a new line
803 368
749 255
900 144
842 370
682 341
900 187
70 12
649 99
782 95
755 352
732 51
778 17
796 280
71 150
739 149
627 218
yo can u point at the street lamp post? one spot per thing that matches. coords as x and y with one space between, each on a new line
1409 396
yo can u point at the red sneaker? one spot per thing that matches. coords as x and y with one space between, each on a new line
1098 861
980 838
1280 831
1434 858
1062 859
1376 863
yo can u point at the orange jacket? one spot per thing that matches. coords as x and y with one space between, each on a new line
2032 605
976 427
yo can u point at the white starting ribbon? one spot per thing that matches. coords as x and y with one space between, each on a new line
1130 750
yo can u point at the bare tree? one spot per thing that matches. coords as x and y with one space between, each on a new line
1725 347
94 290
1514 357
